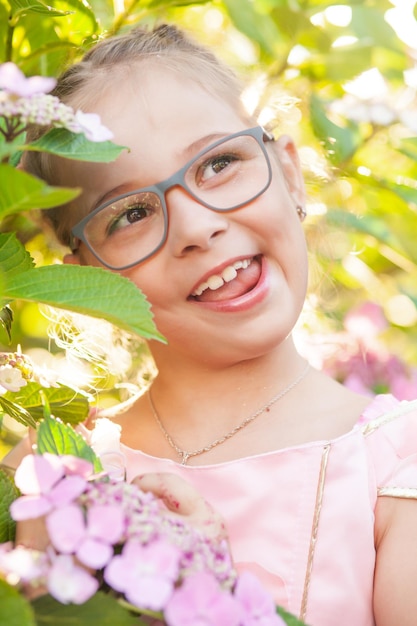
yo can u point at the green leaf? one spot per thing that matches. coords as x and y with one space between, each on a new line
100 609
341 143
21 192
58 438
69 405
89 290
21 7
14 258
256 26
15 610
8 493
16 412
62 142
6 319
289 619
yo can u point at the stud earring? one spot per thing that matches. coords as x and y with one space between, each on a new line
301 212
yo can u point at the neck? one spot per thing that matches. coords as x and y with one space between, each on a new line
189 393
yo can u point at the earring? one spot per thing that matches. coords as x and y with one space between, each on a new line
301 212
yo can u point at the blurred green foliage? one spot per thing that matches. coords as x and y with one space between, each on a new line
342 81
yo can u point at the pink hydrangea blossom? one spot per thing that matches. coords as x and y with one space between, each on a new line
90 124
145 573
200 601
44 484
14 81
258 605
91 539
67 582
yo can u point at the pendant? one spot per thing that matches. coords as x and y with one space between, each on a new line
185 457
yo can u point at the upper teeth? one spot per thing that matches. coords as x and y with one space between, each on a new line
217 280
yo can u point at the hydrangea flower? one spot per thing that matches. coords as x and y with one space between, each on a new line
146 574
40 480
90 124
11 378
200 601
258 606
26 101
90 539
67 582
13 81
21 564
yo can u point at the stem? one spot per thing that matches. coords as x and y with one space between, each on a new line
119 21
9 40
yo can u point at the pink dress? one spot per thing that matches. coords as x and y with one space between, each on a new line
302 518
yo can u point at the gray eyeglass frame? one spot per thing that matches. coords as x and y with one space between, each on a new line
176 180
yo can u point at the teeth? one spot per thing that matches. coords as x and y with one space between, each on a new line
217 280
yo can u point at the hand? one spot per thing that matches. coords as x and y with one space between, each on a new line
183 501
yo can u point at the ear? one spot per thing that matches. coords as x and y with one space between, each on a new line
72 259
291 168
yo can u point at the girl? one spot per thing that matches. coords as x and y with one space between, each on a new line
316 484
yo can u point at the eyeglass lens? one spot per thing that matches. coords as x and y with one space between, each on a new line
130 228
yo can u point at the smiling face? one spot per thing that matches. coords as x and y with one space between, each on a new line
225 287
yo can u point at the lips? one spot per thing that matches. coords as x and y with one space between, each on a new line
233 281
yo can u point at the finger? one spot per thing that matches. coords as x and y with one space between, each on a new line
182 499
177 494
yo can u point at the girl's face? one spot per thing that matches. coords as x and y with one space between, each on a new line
254 257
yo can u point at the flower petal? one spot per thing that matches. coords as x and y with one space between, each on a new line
76 465
150 593
37 474
14 81
66 528
94 553
29 507
105 522
67 490
69 583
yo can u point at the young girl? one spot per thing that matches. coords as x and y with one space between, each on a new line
316 484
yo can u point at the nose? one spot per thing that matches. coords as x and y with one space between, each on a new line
192 226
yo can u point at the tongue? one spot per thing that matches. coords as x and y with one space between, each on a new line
245 280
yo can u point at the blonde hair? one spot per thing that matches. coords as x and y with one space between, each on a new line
85 82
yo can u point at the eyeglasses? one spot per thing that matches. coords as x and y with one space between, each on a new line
130 228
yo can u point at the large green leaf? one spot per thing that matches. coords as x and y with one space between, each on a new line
14 258
66 403
14 609
101 609
62 142
57 438
89 290
21 192
8 493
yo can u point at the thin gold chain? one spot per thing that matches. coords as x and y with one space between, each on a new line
184 455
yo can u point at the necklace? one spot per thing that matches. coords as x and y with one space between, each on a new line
184 455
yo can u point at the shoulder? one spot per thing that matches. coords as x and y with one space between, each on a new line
389 428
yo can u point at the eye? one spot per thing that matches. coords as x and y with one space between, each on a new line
216 165
127 216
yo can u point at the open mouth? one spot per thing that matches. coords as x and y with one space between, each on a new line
234 281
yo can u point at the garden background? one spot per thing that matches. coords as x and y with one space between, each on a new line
342 78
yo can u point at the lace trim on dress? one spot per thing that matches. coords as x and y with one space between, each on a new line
314 529
398 492
402 409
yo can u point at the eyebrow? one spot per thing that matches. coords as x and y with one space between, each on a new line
187 153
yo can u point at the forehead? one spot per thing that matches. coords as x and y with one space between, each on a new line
151 101
162 118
